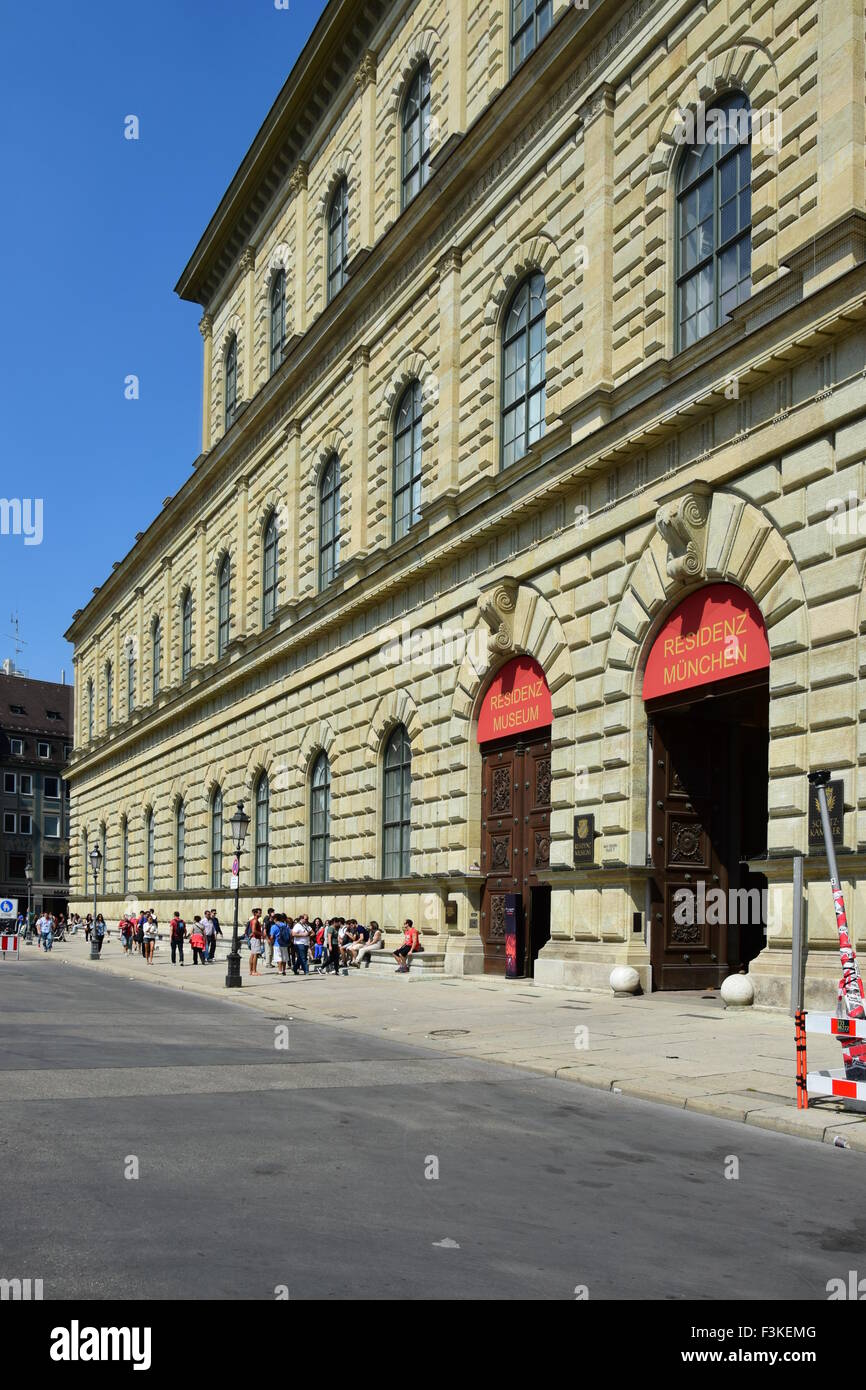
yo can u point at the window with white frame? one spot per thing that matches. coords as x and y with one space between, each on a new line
10 822
25 824
51 788
10 783
51 827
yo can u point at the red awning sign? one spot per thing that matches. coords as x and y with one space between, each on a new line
715 633
517 701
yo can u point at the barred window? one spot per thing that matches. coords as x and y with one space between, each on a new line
151 852
156 649
714 222
397 802
320 820
109 694
408 425
416 135
130 678
216 840
270 569
231 377
338 239
524 369
180 848
530 21
186 635
263 799
278 319
124 855
224 605
329 522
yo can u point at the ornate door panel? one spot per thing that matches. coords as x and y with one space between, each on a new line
515 836
690 852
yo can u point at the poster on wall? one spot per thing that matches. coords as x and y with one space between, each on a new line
714 634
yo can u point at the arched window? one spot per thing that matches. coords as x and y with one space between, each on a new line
231 370
224 604
156 649
151 852
85 857
320 820
714 222
270 569
415 168
338 238
130 677
109 695
180 847
124 855
524 345
530 21
263 801
397 805
408 424
90 709
186 635
103 845
216 840
329 521
278 319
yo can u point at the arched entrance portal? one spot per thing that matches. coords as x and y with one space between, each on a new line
514 725
706 690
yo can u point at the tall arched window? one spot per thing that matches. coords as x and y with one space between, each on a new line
103 845
530 21
270 569
397 804
124 855
278 318
186 635
524 346
151 852
216 840
231 381
109 694
224 604
408 425
85 859
338 238
180 847
320 820
90 709
130 677
263 801
714 222
329 521
415 168
156 650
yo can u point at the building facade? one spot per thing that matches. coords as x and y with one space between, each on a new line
35 749
520 576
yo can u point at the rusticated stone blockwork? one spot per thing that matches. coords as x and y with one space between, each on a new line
652 469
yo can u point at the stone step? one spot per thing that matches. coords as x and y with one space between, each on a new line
426 963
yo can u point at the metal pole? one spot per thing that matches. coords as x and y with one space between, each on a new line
798 940
94 949
233 973
851 985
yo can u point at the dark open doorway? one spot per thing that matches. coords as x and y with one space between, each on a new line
708 815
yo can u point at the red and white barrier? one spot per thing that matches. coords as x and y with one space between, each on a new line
834 1084
9 945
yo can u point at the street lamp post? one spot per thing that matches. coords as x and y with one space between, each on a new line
95 861
28 874
240 824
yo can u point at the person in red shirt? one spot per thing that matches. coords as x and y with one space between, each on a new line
411 945
197 942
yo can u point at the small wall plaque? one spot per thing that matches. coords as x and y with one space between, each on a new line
584 839
835 806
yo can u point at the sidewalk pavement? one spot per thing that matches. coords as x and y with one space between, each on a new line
739 1064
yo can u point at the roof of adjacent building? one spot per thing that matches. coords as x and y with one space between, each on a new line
40 701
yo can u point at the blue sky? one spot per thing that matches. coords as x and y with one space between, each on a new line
95 230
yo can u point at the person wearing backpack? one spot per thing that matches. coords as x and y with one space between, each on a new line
196 941
177 930
301 943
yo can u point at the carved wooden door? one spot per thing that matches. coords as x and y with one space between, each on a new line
690 831
515 837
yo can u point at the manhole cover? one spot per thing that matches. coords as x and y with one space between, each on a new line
448 1033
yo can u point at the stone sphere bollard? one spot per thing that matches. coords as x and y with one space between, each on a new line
737 992
624 980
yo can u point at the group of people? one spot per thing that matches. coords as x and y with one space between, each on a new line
334 946
337 945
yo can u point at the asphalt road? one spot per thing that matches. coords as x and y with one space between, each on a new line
261 1166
